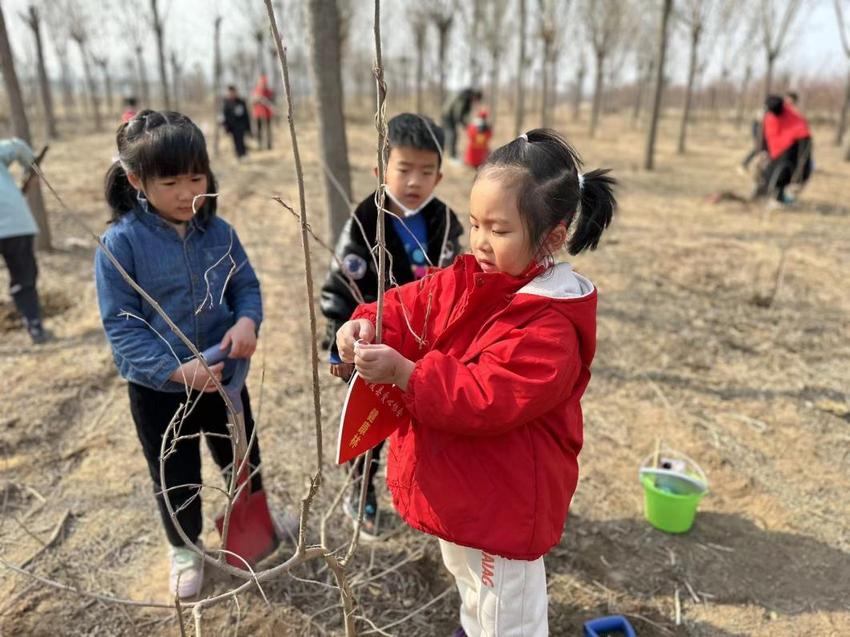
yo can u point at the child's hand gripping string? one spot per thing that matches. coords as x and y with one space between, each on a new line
349 334
376 363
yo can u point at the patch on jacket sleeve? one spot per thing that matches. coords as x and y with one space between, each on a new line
355 266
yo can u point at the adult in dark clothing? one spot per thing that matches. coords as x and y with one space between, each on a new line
789 145
456 113
421 232
237 121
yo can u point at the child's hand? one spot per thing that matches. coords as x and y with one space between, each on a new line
383 364
193 374
241 338
342 370
356 330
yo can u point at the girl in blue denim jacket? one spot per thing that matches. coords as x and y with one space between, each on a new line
165 233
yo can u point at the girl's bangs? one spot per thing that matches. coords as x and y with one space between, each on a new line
172 151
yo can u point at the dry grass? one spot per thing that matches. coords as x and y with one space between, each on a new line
757 394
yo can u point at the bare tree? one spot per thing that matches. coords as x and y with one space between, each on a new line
649 156
216 80
519 106
474 19
102 62
327 78
21 128
774 29
176 78
695 16
552 16
33 20
158 29
604 21
419 26
131 29
494 34
442 14
79 34
843 29
57 28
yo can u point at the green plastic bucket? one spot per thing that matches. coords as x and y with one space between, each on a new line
667 511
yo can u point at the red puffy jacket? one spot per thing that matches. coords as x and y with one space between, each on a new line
781 131
489 459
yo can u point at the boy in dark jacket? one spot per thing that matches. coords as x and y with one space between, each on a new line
236 120
421 232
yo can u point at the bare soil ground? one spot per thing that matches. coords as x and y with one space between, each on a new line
689 351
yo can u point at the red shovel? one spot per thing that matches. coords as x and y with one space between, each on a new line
250 533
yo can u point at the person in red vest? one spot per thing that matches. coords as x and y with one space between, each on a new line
263 100
479 132
789 145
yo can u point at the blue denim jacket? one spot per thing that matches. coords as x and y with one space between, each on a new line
189 277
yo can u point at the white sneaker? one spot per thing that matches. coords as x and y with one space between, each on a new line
187 572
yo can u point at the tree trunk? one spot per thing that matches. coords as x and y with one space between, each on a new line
768 74
325 57
21 128
689 92
544 101
216 82
34 21
519 107
107 83
597 91
175 80
649 157
420 31
474 65
68 101
160 45
494 86
644 78
842 121
144 91
91 87
442 43
581 71
742 97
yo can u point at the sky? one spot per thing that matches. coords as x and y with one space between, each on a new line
814 49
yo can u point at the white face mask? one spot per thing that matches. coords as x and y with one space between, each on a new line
408 212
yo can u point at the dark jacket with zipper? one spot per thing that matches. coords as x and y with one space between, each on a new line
353 253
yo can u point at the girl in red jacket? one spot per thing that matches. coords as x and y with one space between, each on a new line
493 355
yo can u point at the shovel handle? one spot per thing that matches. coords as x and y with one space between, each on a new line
234 386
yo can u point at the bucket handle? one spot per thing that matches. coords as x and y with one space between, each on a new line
700 472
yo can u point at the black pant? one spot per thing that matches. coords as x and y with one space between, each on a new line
264 130
357 463
152 411
23 271
792 166
239 142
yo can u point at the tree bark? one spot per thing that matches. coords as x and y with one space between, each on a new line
175 80
420 31
519 107
34 21
597 91
21 128
160 45
768 75
842 120
443 42
742 97
581 71
689 92
141 69
216 81
103 63
649 157
544 101
333 148
91 87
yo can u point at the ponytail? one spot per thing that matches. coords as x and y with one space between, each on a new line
120 195
595 212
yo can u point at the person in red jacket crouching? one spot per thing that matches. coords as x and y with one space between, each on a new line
479 133
493 355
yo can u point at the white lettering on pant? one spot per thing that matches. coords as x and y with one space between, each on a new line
499 597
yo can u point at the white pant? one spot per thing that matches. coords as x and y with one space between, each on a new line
499 597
